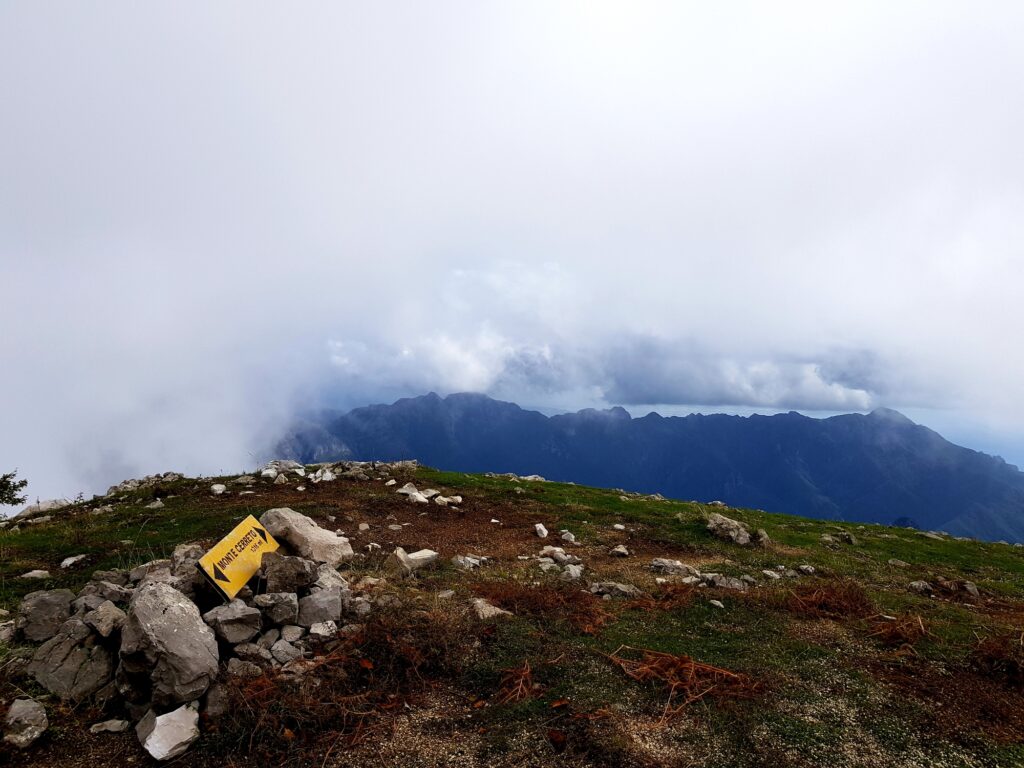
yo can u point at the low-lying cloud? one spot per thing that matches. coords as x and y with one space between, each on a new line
213 218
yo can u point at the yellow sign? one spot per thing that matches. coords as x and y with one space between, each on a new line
236 557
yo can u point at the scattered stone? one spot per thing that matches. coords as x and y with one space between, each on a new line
896 563
716 603
971 588
68 562
307 538
110 726
672 567
218 488
167 653
158 504
619 527
542 532
407 489
279 607
106 618
234 622
389 483
325 605
921 587
402 564
291 633
721 581
364 527
288 574
828 539
771 575
25 722
619 551
806 570
41 614
72 664
40 507
726 528
614 589
36 574
466 562
283 651
485 610
323 630
569 537
169 735
572 572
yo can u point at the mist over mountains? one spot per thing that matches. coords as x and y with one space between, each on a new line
879 468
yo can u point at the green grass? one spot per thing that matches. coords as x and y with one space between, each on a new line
820 700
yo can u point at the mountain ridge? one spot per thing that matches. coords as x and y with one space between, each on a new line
878 467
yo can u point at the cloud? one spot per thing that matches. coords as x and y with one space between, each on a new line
213 217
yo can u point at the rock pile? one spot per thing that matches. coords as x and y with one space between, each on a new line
154 642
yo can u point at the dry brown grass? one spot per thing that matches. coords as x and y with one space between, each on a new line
667 598
516 685
687 681
549 602
829 600
285 720
1001 657
903 633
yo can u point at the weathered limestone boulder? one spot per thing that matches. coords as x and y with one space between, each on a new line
106 618
614 589
166 649
283 652
42 613
41 507
288 574
672 567
404 564
234 622
70 562
726 528
328 577
25 722
166 736
721 581
325 605
104 590
279 607
110 726
485 610
572 572
323 630
72 664
307 538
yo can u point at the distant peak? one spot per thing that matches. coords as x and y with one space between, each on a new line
889 414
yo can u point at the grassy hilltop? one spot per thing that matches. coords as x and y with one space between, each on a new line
844 667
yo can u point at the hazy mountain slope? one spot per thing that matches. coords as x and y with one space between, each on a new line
875 468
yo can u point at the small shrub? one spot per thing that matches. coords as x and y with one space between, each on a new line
686 680
550 602
1001 657
829 600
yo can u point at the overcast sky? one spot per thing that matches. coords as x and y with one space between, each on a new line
214 214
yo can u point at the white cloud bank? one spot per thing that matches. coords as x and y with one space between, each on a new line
210 216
